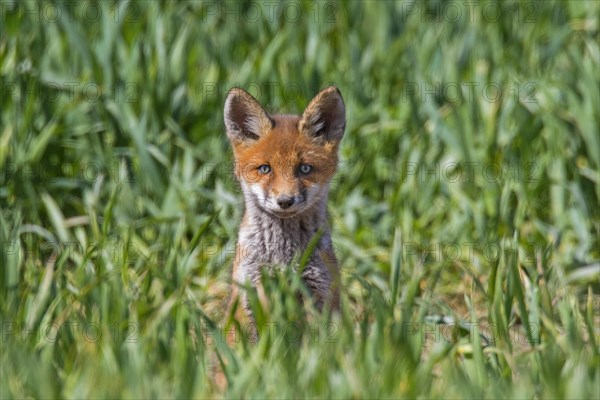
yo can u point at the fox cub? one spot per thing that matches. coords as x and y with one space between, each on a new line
284 164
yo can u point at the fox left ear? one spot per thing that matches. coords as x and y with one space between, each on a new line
325 115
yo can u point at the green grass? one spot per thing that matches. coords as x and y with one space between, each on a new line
465 211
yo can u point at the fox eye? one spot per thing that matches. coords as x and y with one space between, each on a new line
264 169
305 168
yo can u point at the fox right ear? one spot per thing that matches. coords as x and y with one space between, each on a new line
245 119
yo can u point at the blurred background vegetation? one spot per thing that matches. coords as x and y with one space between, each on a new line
465 211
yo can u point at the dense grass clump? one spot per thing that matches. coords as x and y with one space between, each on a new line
465 212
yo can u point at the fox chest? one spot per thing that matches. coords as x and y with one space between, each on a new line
273 243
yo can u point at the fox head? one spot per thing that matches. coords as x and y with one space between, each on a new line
284 162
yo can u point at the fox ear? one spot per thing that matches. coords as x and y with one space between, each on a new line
325 115
245 119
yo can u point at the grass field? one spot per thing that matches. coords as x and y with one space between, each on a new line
465 212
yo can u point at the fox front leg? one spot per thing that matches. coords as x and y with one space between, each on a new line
322 282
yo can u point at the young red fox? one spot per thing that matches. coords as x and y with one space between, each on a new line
284 164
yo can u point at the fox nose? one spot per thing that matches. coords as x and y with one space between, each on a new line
285 201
